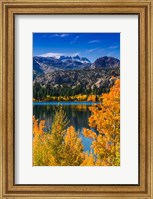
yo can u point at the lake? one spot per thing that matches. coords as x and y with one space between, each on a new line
77 113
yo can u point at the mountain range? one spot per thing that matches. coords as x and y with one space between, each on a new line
50 64
45 65
73 75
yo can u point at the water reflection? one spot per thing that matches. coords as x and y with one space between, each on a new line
77 112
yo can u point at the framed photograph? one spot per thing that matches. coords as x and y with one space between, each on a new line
76 99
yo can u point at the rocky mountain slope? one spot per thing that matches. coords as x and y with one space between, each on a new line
44 65
106 62
74 75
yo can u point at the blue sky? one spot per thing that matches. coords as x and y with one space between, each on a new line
90 45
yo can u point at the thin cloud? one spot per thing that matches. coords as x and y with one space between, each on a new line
113 47
50 54
112 53
75 39
64 35
91 50
55 35
60 35
57 55
94 41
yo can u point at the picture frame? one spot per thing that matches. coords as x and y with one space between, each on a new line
9 9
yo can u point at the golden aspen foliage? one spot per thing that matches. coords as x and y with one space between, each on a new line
62 147
58 132
88 160
41 152
73 148
106 119
65 145
89 133
92 98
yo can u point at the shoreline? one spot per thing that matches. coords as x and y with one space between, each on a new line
65 103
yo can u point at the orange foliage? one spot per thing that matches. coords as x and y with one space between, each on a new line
88 160
89 133
63 147
41 152
106 119
73 148
92 98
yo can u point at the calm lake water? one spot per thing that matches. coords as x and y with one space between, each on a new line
77 112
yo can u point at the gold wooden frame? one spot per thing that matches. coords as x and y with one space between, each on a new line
10 8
